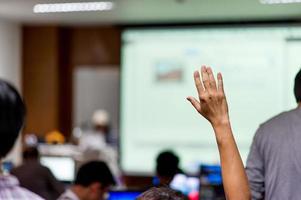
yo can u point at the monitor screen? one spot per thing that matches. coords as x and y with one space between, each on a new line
123 195
258 64
7 166
63 168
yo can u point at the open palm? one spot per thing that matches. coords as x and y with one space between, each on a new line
212 103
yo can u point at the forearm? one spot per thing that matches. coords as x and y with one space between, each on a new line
213 106
234 177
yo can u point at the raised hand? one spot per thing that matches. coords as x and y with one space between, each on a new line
212 102
213 106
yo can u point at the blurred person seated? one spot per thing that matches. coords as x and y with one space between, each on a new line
12 115
167 167
100 135
55 137
30 140
92 182
101 124
36 177
170 175
96 145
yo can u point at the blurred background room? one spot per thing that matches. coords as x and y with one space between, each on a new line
107 81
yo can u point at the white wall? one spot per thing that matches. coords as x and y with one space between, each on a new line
96 88
10 65
10 52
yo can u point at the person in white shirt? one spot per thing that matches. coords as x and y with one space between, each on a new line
96 143
92 182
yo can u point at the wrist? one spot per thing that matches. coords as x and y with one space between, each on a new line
223 132
221 123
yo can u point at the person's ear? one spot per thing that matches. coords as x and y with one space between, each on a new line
95 187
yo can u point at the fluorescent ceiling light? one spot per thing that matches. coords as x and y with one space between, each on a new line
72 7
279 1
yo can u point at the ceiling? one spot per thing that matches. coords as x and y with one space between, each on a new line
154 11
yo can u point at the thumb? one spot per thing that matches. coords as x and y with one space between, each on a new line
194 103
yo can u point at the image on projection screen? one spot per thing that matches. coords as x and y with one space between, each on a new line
258 65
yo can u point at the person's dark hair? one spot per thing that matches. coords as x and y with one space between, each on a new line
297 87
31 153
167 164
161 193
12 114
94 171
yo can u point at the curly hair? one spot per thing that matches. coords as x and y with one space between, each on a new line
161 193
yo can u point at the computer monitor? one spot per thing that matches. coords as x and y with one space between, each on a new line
211 174
124 195
62 167
7 166
185 184
211 186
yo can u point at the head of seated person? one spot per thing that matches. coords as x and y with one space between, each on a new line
31 154
12 114
101 121
93 181
162 193
167 167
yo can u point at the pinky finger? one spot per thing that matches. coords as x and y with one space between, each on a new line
194 103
